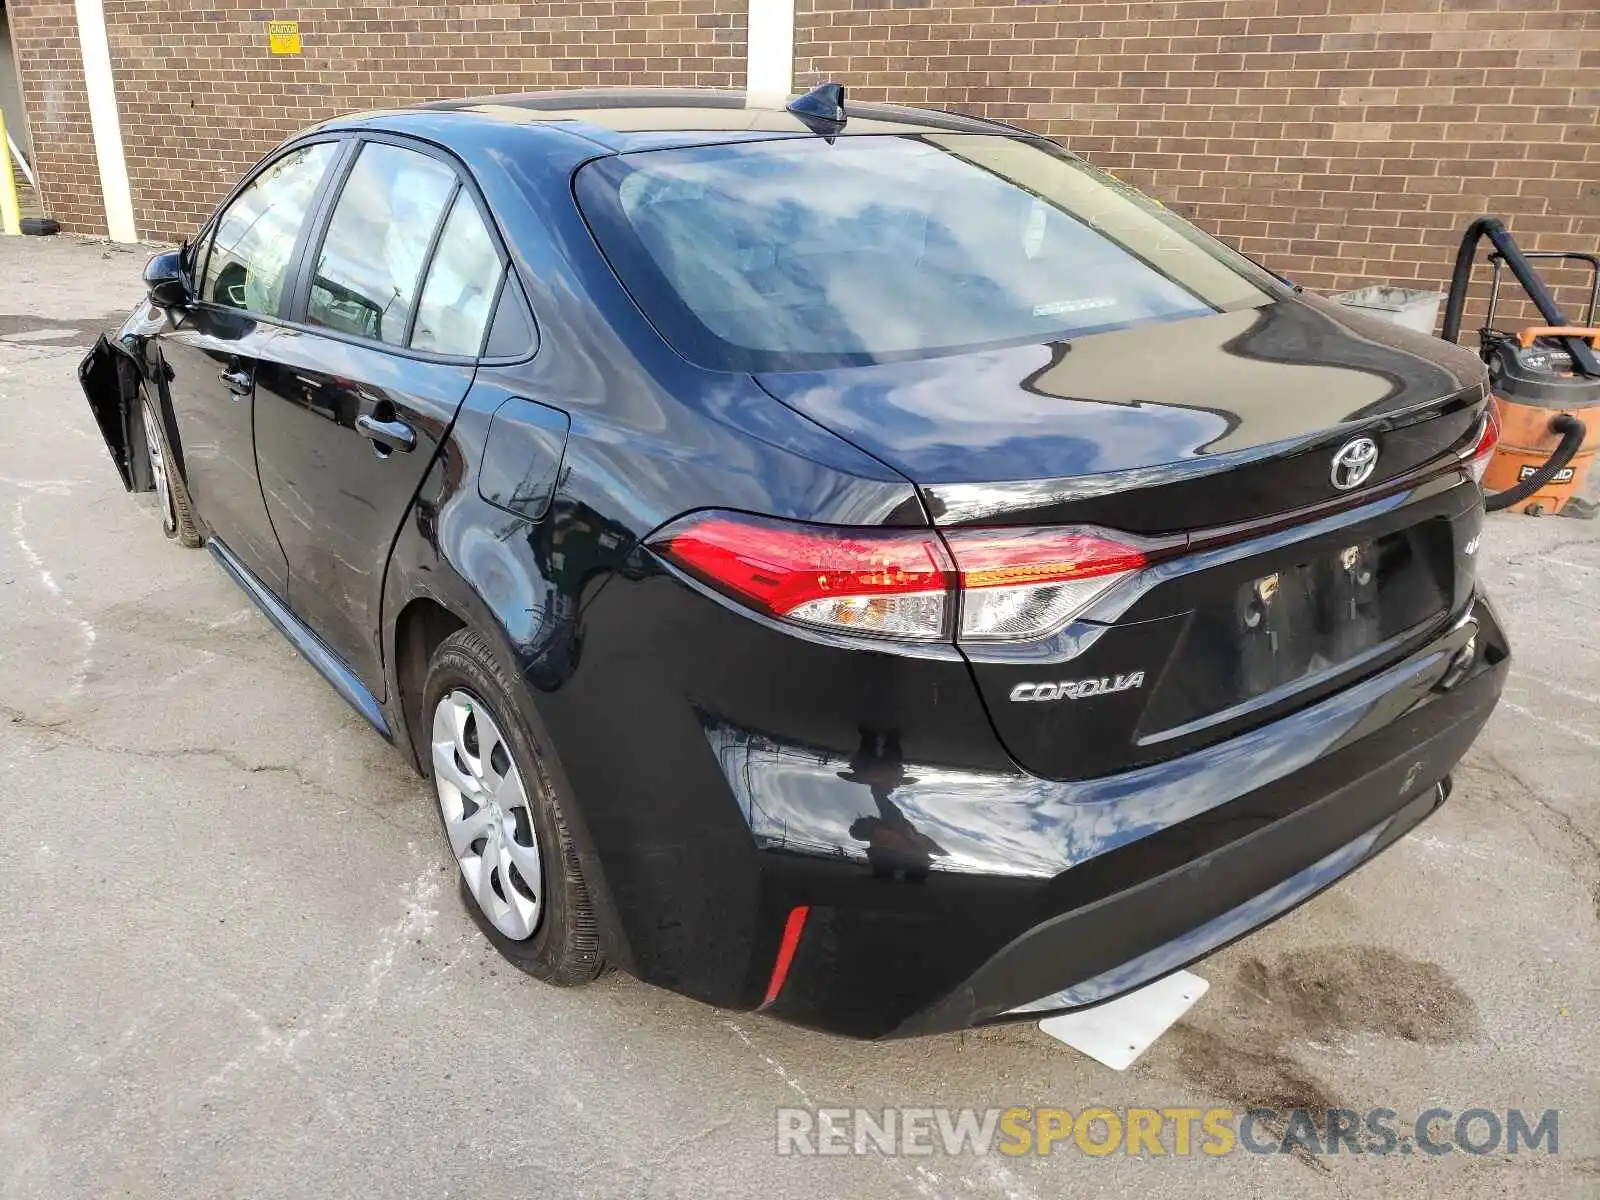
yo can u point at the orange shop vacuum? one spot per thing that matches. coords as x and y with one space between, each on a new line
1545 379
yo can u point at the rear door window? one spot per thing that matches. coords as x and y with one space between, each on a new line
255 236
461 285
370 263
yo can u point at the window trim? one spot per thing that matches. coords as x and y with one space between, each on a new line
299 287
507 277
322 218
428 256
322 222
207 237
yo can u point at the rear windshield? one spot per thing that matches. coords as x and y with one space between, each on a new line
795 254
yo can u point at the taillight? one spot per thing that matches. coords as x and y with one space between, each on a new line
1022 584
1477 459
884 583
1009 585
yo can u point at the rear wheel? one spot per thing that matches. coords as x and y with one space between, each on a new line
503 821
172 498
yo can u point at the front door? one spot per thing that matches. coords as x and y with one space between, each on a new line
210 363
353 402
211 352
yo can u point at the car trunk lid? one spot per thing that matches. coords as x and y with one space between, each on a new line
1282 576
1071 430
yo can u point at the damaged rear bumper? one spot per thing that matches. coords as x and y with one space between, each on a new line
1156 869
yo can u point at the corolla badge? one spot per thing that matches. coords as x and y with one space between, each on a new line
1354 462
1077 689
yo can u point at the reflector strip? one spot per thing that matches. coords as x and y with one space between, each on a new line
786 948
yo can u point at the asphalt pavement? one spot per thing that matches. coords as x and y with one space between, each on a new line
233 961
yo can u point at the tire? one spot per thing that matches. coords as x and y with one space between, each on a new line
40 226
172 497
512 818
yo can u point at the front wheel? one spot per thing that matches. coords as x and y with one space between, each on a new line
519 873
172 498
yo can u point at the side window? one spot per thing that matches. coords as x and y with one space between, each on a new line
511 332
371 259
460 287
255 237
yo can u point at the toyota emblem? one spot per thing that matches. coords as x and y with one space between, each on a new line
1354 463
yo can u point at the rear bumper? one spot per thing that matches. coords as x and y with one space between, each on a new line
993 896
1250 914
1249 873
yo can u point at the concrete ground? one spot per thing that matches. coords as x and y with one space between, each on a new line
233 962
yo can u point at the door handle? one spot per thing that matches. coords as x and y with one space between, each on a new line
386 436
237 380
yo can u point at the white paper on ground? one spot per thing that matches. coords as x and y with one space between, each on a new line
1118 1031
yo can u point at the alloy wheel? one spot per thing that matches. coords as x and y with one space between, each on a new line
158 471
487 815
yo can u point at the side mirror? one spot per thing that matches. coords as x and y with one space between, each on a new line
163 275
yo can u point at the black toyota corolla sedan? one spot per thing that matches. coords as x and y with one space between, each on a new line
859 563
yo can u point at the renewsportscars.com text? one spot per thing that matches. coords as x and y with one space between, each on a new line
1098 1131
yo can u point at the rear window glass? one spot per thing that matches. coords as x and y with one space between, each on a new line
796 254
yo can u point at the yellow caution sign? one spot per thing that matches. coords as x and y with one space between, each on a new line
283 37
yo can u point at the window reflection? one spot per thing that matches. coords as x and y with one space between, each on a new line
256 236
461 285
796 253
371 259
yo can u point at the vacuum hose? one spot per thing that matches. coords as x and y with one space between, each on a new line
1582 356
1572 433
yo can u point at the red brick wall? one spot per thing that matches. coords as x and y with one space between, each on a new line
1340 141
50 65
201 99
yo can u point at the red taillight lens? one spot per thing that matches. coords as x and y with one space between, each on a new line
1014 585
1021 584
1477 459
879 582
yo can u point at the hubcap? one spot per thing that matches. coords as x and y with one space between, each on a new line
158 470
486 814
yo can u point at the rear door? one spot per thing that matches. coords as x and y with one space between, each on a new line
212 353
387 323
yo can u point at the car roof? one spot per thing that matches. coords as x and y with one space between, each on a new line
625 119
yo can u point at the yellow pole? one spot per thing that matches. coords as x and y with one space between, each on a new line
10 210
